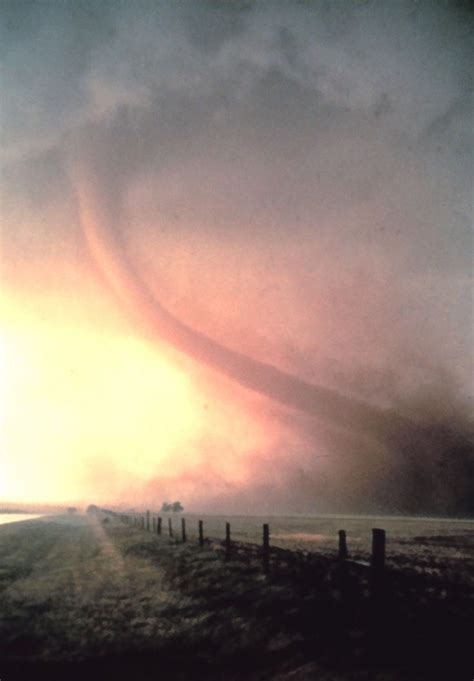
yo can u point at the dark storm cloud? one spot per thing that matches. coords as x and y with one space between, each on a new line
311 162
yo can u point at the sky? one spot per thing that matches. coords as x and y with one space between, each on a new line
237 255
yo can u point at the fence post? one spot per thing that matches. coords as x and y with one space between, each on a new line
266 548
201 534
183 529
170 527
343 571
227 541
342 545
158 526
153 525
377 564
148 521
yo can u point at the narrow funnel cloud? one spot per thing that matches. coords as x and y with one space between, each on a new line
99 217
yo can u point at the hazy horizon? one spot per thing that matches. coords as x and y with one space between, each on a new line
40 510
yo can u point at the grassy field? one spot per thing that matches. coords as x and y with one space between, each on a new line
87 597
416 540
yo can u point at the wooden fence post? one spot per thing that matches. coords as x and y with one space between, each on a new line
227 541
183 530
170 527
201 534
377 565
158 526
343 571
148 521
266 548
342 545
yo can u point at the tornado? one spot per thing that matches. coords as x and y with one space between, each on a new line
99 214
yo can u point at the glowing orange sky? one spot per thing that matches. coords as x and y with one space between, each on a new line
97 412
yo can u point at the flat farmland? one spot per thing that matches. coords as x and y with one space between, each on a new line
423 542
89 596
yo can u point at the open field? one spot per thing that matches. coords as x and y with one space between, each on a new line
428 542
87 597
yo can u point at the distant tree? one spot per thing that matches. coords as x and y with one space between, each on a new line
175 507
71 510
92 508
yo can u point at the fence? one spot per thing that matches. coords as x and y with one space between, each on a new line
374 569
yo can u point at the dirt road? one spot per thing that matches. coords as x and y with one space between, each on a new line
66 591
